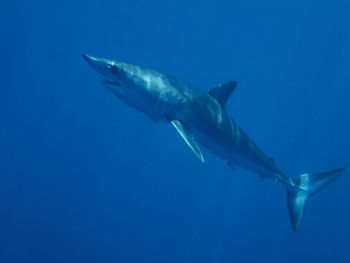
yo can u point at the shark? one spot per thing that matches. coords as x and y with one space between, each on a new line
201 119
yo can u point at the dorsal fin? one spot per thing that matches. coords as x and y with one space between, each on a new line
223 91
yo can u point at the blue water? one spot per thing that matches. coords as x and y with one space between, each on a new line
84 178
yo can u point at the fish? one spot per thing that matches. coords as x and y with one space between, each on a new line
202 120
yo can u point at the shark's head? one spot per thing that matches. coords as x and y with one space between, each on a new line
112 70
128 82
143 89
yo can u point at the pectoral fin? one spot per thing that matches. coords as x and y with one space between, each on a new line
188 137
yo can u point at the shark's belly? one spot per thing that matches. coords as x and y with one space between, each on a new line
213 128
238 153
239 150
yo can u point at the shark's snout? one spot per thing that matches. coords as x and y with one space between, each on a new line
106 67
90 59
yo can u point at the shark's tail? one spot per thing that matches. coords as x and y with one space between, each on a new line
305 186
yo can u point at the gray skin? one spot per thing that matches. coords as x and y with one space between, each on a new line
165 98
201 117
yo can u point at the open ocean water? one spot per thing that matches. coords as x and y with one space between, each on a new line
84 178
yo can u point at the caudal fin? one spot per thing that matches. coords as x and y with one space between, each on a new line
305 186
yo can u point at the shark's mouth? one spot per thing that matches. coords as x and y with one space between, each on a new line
114 86
110 83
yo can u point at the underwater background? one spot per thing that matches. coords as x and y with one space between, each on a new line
84 178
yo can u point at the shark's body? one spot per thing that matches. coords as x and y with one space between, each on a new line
201 117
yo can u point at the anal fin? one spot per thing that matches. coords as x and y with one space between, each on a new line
188 137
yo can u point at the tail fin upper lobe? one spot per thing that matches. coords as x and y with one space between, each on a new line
305 186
